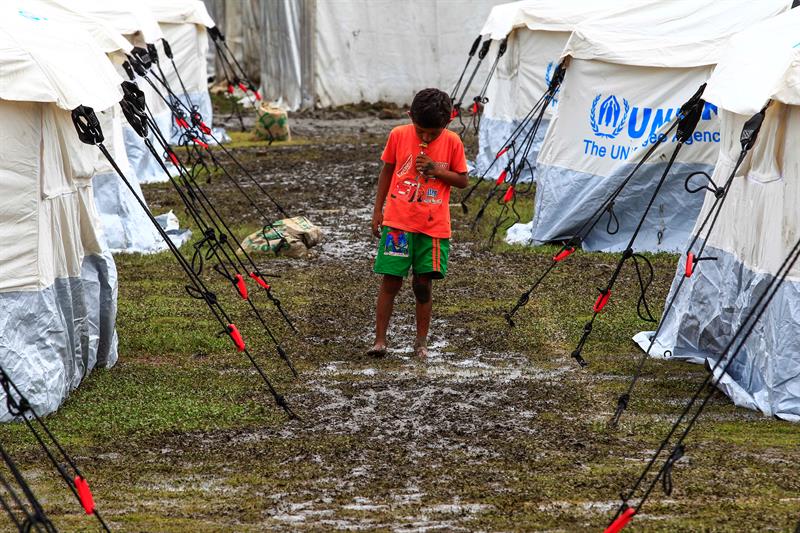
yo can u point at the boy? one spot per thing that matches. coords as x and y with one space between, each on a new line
421 161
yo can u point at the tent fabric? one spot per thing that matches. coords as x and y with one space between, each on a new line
758 225
125 226
58 282
39 59
674 34
58 285
778 70
180 12
611 105
240 21
287 72
546 15
184 23
131 19
584 158
323 53
537 31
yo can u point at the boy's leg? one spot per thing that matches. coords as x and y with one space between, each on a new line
390 286
423 285
393 261
430 262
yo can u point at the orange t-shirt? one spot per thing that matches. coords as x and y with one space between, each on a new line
416 203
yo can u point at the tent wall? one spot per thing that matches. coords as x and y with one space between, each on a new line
757 227
522 76
58 284
323 54
607 117
126 227
240 21
287 59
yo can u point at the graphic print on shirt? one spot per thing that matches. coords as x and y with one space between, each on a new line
406 186
396 243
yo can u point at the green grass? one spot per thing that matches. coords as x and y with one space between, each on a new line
181 434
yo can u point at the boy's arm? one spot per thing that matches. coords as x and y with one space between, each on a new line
454 179
384 180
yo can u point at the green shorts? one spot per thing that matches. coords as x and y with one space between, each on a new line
399 250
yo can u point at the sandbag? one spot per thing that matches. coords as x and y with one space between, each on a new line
290 237
272 123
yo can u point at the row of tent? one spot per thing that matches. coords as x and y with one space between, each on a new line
311 53
629 66
63 208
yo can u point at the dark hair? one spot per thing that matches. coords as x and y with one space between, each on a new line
431 108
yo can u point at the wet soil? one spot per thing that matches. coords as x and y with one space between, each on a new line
498 429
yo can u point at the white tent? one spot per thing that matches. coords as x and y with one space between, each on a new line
115 27
758 225
628 74
537 31
183 24
335 53
138 25
58 284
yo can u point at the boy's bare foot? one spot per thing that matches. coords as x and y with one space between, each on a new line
377 350
421 349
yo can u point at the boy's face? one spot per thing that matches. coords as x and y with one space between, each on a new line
426 135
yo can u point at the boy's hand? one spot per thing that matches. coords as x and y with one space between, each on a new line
377 221
426 166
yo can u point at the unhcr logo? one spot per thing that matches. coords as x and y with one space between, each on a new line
608 119
548 79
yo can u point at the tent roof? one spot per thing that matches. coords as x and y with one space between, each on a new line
107 37
180 11
548 15
47 60
760 63
677 33
126 18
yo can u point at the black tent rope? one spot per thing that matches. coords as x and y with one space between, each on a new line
168 53
33 519
89 132
234 73
480 99
509 199
134 109
686 126
474 48
570 243
20 407
219 247
196 192
513 167
192 138
254 272
511 141
457 105
625 512
747 139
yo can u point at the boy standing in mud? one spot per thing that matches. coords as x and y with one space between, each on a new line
421 161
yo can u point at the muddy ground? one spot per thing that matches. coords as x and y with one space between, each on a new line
498 430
